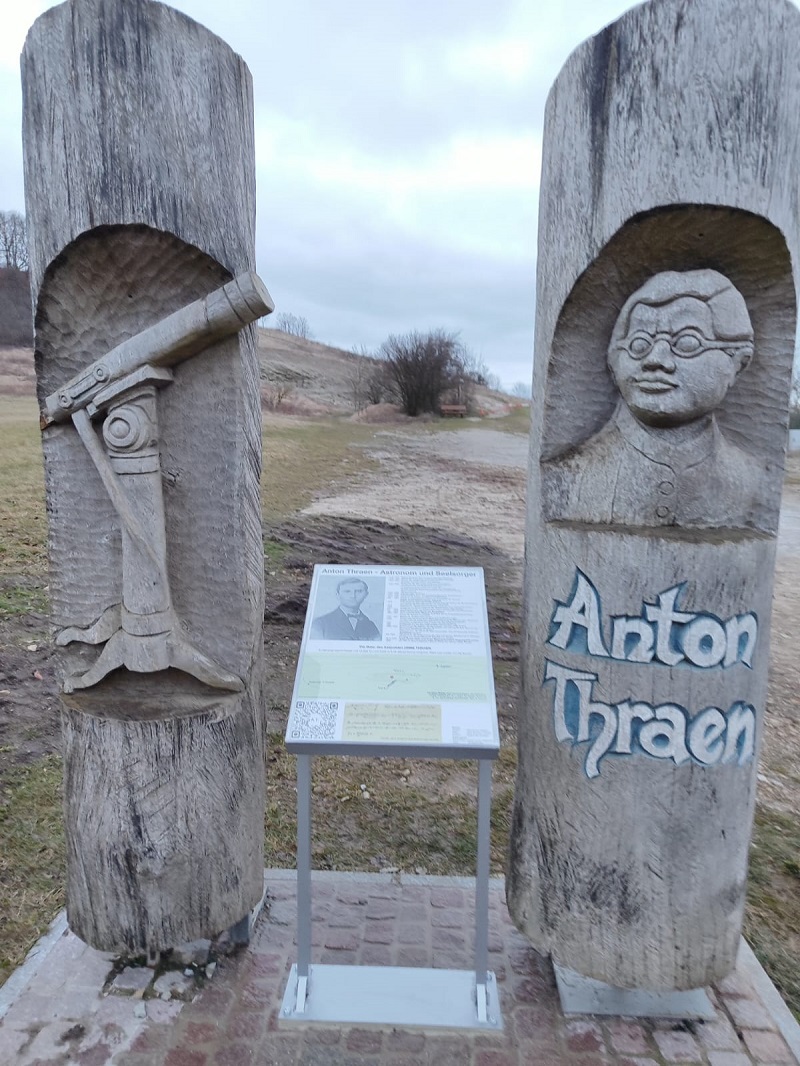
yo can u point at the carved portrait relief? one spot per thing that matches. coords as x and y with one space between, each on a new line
678 344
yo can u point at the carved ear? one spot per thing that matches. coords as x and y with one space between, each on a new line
742 354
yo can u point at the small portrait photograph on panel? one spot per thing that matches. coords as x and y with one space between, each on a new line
348 608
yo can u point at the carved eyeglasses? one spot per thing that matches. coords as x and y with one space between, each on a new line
685 344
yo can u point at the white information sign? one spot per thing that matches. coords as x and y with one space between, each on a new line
395 657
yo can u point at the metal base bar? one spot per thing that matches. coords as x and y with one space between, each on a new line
584 995
392 995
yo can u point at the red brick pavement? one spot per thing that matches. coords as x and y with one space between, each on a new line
235 1019
353 918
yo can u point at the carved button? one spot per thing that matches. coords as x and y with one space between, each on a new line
666 487
662 511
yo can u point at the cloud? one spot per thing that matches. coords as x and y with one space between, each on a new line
358 277
398 151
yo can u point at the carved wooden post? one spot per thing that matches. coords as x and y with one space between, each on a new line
140 194
665 332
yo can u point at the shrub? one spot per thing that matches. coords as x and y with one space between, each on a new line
423 367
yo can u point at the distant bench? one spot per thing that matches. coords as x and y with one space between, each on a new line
453 410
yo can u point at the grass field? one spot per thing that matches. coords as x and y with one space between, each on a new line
415 818
23 530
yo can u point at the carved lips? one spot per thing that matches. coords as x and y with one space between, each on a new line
655 385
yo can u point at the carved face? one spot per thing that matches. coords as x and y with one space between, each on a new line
670 367
351 595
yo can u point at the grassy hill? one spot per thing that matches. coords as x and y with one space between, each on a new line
298 376
305 377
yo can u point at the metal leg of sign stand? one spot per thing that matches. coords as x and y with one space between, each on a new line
482 888
303 879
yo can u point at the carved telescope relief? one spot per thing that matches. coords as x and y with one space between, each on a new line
175 338
143 632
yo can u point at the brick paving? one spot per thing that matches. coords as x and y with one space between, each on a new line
71 1013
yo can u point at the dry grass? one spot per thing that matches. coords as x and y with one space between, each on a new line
412 815
301 458
31 858
772 919
23 530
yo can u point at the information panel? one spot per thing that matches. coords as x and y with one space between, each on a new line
395 657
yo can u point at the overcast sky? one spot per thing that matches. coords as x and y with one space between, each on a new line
398 151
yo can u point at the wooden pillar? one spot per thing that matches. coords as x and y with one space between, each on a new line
665 327
140 196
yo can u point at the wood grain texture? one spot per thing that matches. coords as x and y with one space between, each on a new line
134 113
175 847
140 193
671 144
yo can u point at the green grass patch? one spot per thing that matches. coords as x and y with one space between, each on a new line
32 857
22 599
23 528
301 459
518 420
275 552
772 918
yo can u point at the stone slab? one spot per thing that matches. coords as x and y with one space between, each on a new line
583 995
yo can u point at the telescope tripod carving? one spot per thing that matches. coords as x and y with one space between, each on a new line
143 632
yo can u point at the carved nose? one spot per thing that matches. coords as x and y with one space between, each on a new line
660 356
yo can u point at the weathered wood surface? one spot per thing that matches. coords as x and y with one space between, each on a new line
140 195
671 144
172 849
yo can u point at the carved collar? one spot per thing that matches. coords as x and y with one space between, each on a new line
660 446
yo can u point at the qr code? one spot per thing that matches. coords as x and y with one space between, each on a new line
314 719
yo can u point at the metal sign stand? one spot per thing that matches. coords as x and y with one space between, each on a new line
392 995
412 681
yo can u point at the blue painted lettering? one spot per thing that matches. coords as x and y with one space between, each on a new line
660 633
666 731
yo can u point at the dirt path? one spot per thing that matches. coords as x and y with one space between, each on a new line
469 481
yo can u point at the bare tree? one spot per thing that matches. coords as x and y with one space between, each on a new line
356 379
475 367
423 366
296 325
521 390
273 396
367 379
378 387
13 240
